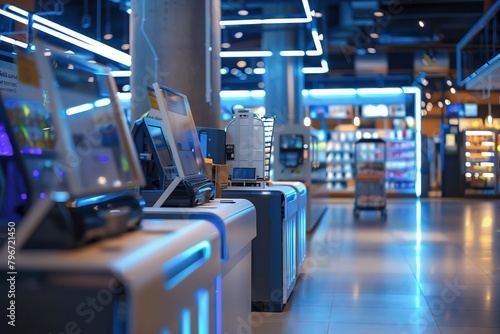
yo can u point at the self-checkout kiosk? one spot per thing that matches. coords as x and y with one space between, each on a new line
174 169
275 250
235 219
68 133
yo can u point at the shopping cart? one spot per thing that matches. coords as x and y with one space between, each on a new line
369 189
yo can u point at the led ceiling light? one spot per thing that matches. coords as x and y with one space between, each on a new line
243 54
292 53
69 35
121 74
308 18
330 92
316 70
379 91
317 45
13 41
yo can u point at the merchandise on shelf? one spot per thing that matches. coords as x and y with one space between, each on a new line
337 165
480 160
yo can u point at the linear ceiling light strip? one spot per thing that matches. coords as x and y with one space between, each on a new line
308 18
70 36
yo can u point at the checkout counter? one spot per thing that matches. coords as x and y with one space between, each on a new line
84 259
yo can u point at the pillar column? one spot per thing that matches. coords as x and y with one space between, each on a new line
177 44
283 80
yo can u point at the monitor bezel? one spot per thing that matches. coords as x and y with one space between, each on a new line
65 143
163 106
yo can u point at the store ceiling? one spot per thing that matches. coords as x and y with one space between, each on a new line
403 48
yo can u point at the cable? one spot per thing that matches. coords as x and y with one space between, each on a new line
147 39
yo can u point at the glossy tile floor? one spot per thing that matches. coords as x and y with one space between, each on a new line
432 268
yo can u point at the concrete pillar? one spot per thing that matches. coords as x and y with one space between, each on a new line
283 79
177 43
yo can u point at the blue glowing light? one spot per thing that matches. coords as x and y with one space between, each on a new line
36 173
60 173
184 264
203 299
103 158
24 196
42 195
186 321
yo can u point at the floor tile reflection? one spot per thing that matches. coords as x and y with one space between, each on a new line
437 275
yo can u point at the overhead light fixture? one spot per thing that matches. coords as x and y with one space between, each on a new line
447 102
317 44
125 46
238 35
425 82
329 92
243 12
242 93
374 35
224 70
225 45
260 63
440 104
378 14
318 14
129 11
120 74
449 83
259 70
421 24
307 11
379 91
13 41
428 95
489 119
68 35
107 30
307 121
453 90
243 54
79 109
371 50
317 70
241 63
291 53
356 121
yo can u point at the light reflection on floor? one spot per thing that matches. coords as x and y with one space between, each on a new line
432 267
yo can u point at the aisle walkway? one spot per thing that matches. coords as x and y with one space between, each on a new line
432 268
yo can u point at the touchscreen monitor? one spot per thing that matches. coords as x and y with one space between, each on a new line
94 145
244 173
181 131
291 142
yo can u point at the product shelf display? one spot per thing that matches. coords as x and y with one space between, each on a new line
479 162
400 165
370 186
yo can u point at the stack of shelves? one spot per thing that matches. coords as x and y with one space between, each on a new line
337 164
340 161
480 161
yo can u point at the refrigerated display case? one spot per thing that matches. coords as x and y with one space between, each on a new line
400 165
479 162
